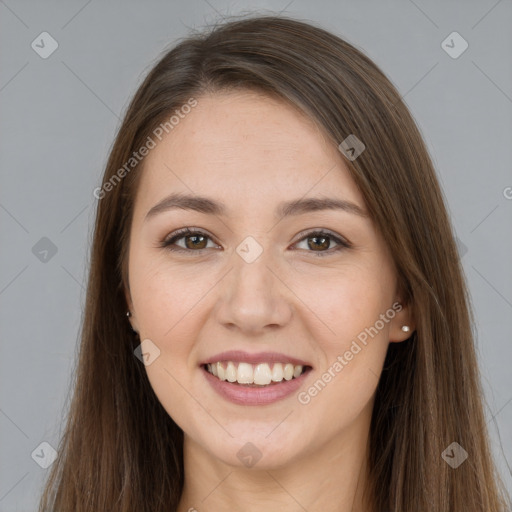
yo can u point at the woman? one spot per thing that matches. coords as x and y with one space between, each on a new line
276 313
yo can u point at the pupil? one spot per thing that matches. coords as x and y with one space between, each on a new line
194 244
324 244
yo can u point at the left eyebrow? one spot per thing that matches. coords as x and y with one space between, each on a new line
209 206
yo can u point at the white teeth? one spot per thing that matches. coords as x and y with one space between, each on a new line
297 370
231 372
221 373
277 372
260 374
288 371
245 373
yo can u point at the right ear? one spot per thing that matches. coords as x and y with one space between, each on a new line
129 305
128 298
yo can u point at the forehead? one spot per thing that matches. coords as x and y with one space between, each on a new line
246 148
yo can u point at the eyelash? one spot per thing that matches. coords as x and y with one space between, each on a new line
182 233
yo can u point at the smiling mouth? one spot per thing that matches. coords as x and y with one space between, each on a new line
255 375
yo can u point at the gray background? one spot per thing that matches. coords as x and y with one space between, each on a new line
58 119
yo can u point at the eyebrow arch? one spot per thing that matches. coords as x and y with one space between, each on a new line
209 206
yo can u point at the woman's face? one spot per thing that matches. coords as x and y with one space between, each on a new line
259 279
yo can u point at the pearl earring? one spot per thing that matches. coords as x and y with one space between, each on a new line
406 328
128 314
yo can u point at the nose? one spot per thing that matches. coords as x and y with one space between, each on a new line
253 297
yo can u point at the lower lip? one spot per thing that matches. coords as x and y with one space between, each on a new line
245 395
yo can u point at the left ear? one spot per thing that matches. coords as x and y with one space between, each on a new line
403 318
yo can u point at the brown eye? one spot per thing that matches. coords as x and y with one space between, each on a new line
195 241
318 242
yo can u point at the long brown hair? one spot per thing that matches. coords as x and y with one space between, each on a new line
120 449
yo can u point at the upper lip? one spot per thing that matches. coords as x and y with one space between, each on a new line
259 357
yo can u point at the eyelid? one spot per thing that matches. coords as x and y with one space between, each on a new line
183 232
322 231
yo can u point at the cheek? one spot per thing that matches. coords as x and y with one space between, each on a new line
346 300
352 358
353 337
165 298
168 305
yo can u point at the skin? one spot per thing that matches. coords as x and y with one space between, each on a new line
251 152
